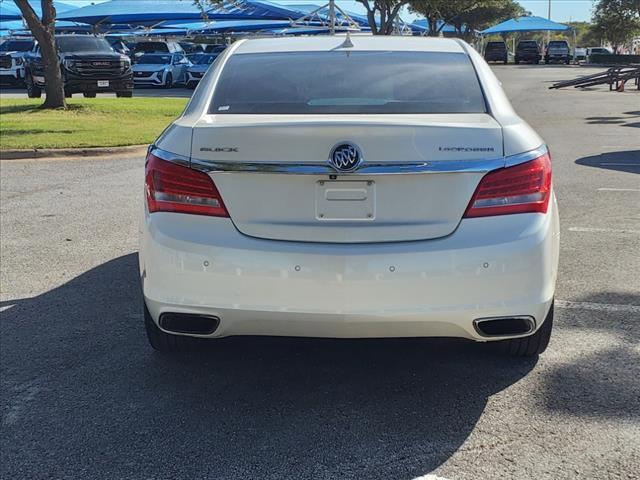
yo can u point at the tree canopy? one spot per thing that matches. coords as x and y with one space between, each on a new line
466 16
617 21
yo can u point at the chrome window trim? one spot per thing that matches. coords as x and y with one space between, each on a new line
324 168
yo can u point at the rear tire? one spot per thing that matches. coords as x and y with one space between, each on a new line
168 81
165 342
33 91
530 346
125 94
89 94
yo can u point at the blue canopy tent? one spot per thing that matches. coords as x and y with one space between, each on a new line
9 12
17 27
529 24
525 24
227 26
152 12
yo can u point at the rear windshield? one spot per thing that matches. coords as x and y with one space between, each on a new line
204 59
558 44
154 59
528 44
348 82
83 43
151 47
496 46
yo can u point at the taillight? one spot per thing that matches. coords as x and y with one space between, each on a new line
522 188
174 188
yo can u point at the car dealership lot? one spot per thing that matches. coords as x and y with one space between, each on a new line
84 395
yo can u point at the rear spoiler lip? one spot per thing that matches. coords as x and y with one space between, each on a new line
325 168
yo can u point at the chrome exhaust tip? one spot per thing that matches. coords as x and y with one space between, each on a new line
189 323
505 326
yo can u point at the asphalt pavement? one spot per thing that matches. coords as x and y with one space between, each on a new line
84 396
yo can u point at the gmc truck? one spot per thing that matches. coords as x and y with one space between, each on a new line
12 52
89 66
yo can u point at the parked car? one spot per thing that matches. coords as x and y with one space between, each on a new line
558 51
581 54
599 51
596 51
89 66
12 52
118 45
191 48
155 46
161 70
496 52
528 51
214 48
200 63
284 202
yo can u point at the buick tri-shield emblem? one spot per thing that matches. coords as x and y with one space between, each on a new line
345 157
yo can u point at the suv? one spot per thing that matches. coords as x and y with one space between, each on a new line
161 69
595 51
89 65
12 52
558 51
155 46
528 51
496 52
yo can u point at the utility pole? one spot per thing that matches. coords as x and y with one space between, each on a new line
549 18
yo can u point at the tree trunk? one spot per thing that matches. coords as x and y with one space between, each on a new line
44 32
371 17
54 86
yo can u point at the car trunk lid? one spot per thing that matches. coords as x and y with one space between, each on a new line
296 196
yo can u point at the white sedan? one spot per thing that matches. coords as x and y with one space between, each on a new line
349 188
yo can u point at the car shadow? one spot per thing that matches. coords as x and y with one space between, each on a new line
84 395
602 380
625 161
626 119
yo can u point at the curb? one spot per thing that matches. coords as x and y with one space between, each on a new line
45 153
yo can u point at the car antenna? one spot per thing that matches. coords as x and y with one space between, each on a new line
347 42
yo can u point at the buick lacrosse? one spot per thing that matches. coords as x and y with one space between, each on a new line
349 188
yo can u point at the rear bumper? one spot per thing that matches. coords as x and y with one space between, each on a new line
489 267
496 57
528 57
558 57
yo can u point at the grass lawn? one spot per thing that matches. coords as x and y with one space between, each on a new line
89 122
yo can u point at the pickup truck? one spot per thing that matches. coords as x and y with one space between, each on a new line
558 51
89 66
528 51
12 52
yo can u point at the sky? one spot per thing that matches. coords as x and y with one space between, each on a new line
561 10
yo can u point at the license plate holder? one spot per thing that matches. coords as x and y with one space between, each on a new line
345 200
103 83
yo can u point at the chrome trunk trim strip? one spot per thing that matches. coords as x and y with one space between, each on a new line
324 168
